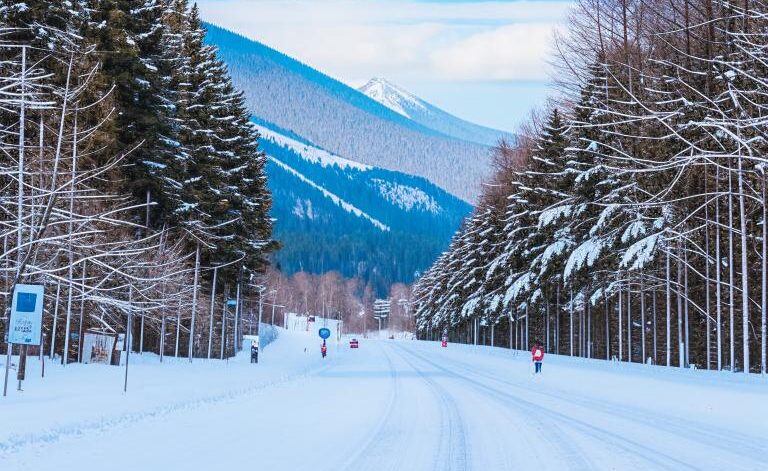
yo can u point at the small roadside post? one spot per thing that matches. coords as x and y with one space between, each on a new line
24 326
255 350
324 334
128 328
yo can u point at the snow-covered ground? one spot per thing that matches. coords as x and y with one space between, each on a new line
399 405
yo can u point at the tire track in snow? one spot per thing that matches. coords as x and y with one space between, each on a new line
555 418
453 443
17 443
680 427
364 458
552 435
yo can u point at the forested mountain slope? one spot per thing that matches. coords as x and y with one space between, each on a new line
335 214
336 117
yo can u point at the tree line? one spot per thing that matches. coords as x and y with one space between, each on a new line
628 221
333 296
131 180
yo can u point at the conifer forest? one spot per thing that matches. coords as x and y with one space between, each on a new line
132 185
628 221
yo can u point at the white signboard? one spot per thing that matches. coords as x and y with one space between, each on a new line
98 348
26 315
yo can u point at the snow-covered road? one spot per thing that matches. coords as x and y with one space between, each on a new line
387 406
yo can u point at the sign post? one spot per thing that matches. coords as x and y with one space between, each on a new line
324 333
7 367
128 341
25 325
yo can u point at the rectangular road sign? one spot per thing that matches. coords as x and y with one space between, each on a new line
26 315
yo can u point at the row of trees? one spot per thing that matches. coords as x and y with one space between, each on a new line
629 220
130 174
333 296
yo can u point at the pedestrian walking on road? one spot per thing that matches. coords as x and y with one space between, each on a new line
537 355
324 350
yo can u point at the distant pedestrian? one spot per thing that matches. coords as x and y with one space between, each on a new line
254 352
537 355
324 350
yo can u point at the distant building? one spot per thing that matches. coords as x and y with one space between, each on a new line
313 323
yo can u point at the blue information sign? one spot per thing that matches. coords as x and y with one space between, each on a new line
26 315
324 333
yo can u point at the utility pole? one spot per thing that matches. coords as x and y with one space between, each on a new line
261 309
128 336
224 322
80 325
190 350
213 306
381 310
236 332
55 318
274 302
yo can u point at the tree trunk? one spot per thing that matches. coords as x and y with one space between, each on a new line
621 330
744 271
606 310
629 318
212 312
680 346
708 322
687 306
643 358
764 300
570 333
718 271
731 274
669 311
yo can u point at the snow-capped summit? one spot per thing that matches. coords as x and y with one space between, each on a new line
394 97
425 114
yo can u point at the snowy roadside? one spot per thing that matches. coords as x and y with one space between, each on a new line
733 403
75 398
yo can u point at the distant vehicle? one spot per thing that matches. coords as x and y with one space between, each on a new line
391 337
354 343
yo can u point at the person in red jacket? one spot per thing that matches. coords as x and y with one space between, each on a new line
537 355
323 349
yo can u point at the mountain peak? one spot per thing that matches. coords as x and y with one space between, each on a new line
415 109
393 97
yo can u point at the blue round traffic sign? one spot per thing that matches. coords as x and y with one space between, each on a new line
324 333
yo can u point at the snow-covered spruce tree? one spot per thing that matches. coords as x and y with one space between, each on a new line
431 294
489 296
426 292
225 198
548 243
129 34
515 261
469 284
103 142
248 197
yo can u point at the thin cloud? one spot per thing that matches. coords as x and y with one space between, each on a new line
514 52
401 39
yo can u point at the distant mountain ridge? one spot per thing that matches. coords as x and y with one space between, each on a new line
414 108
303 101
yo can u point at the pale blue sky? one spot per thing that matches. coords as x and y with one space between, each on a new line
485 61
